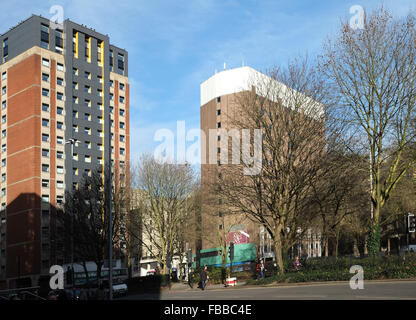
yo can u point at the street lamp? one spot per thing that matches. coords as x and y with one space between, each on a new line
72 142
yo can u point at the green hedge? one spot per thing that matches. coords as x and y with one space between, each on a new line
331 269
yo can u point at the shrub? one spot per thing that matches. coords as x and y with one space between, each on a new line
337 269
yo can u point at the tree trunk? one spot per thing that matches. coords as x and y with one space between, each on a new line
278 249
355 249
365 245
326 244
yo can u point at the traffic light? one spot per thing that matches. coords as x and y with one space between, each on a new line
231 250
411 220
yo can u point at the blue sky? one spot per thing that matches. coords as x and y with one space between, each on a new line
175 45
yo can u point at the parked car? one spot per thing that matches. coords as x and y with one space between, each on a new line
151 272
119 287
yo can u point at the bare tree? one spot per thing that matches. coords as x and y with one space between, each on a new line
163 206
290 106
338 192
374 71
85 220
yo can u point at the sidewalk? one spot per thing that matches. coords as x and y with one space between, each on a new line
184 286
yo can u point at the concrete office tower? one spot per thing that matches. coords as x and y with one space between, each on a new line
56 84
219 108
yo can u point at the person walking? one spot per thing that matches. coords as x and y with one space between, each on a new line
260 269
296 263
204 277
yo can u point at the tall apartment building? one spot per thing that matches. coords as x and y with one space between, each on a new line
57 84
219 107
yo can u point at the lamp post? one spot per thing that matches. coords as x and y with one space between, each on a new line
72 142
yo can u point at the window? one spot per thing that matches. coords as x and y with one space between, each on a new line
60 184
4 90
3 162
5 49
45 122
59 199
45 153
74 114
45 62
3 148
100 106
100 160
88 144
60 110
122 151
75 100
111 96
121 86
45 107
120 61
122 112
4 75
100 146
87 172
122 138
111 83
60 96
3 105
121 125
59 140
218 124
59 155
75 71
75 156
59 125
88 159
45 92
59 67
44 36
121 99
45 183
100 119
45 77
111 109
87 116
100 92
45 168
3 192
87 103
87 130
3 119
218 112
75 171
45 137
87 75
59 169
3 177
218 99
45 198
59 81
75 85
74 128
87 89
100 79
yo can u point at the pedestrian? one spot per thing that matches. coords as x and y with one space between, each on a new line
260 269
75 293
204 277
296 263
